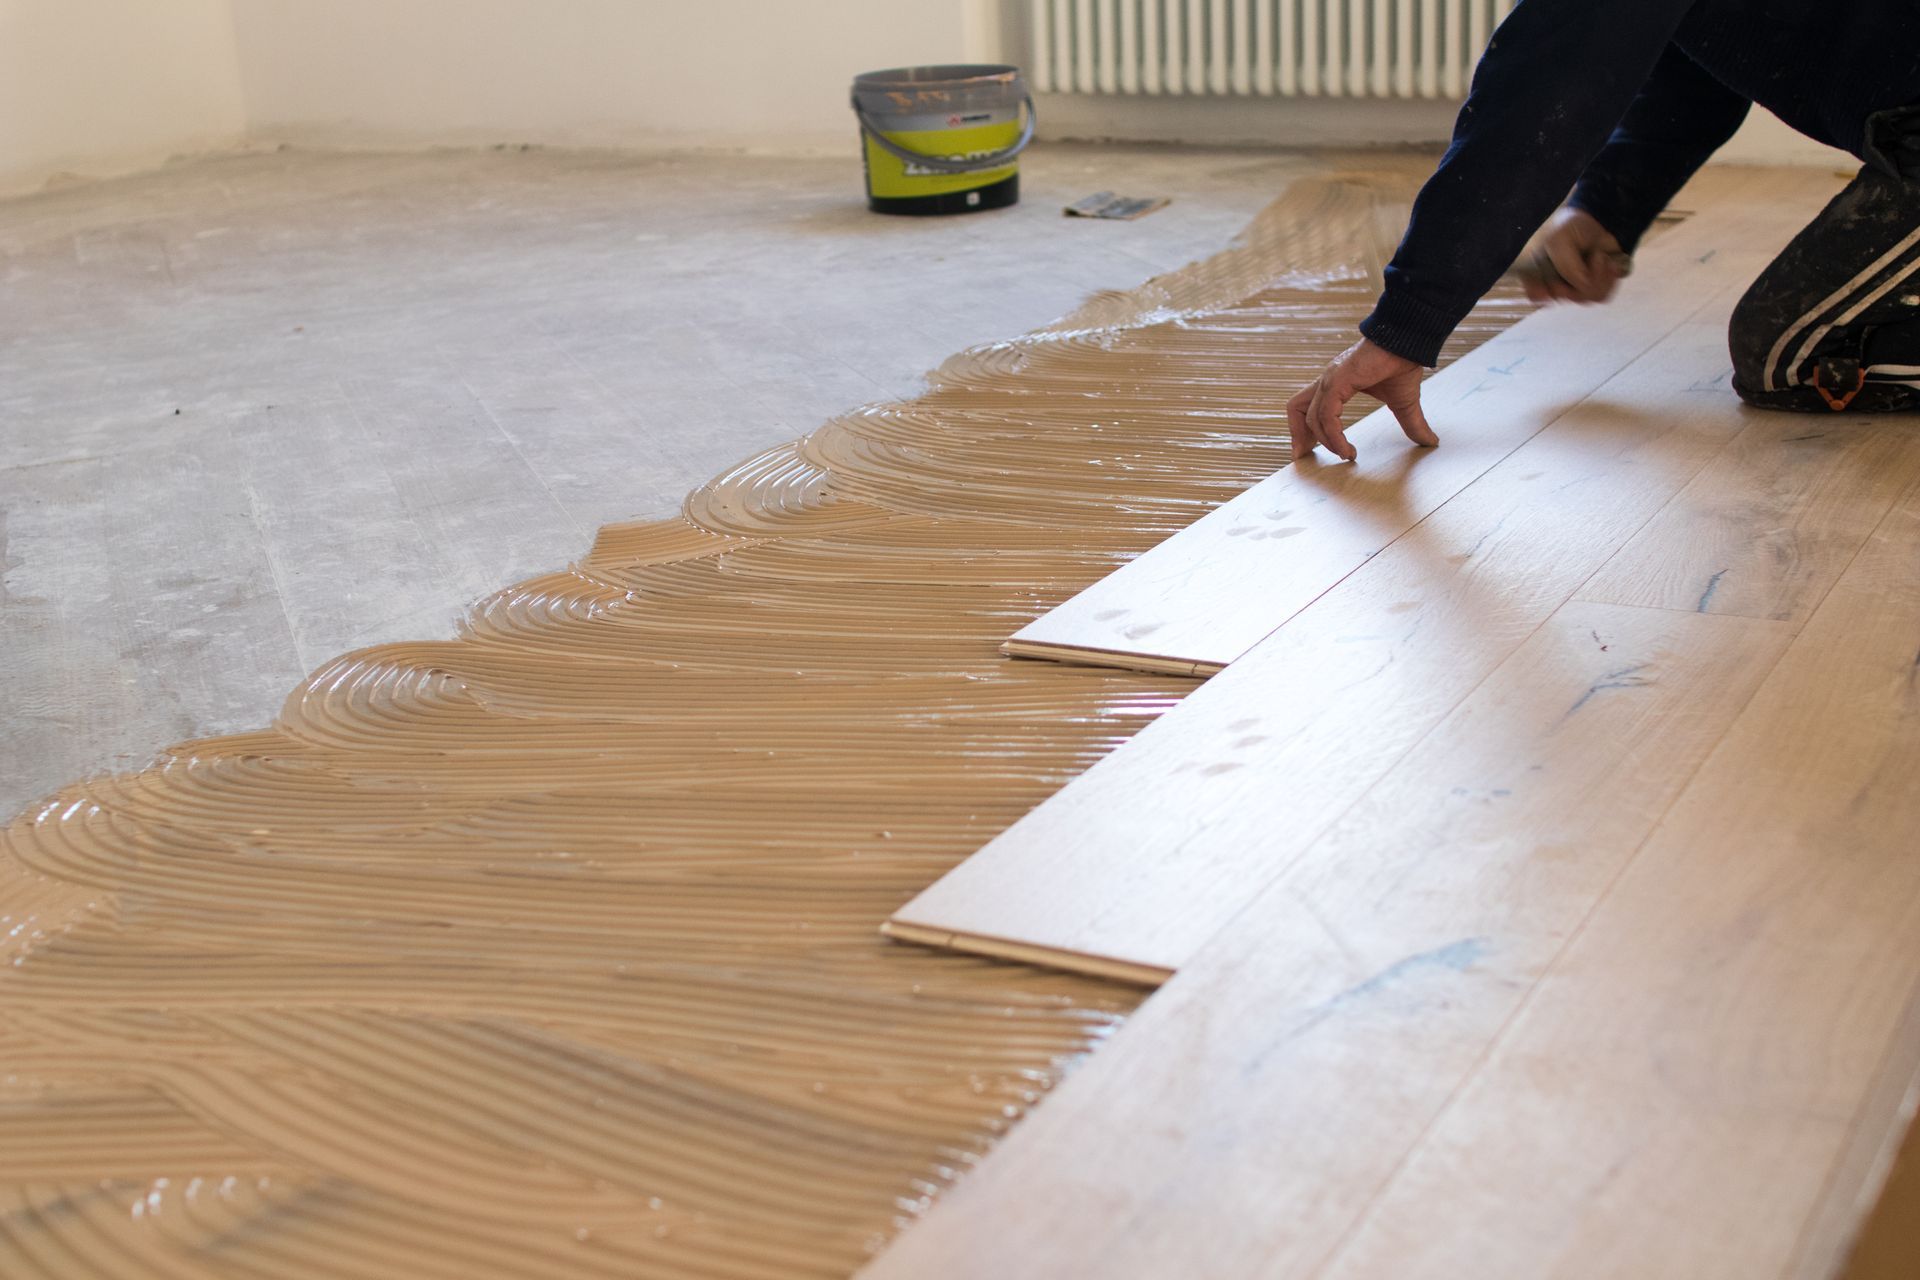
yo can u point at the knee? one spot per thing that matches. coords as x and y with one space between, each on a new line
1751 335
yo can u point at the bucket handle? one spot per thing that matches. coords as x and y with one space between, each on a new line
947 164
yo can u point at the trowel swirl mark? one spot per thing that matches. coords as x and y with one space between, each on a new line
551 950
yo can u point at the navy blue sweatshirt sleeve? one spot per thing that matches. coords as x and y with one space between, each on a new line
1681 117
1557 78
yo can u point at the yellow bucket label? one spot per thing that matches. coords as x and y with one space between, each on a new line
889 177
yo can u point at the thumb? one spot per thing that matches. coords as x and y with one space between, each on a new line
1572 256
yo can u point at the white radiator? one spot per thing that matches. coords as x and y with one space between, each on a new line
1334 48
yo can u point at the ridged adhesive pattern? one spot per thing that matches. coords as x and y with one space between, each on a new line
551 950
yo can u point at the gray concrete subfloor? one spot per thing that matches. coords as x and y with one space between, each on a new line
258 410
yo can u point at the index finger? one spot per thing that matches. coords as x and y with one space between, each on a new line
1326 419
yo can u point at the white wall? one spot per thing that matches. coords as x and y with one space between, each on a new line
97 87
1763 139
766 73
104 86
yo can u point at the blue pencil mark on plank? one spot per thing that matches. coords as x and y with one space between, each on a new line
1706 597
1624 678
1454 957
1717 382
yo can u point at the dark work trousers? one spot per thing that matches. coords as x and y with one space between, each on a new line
1834 321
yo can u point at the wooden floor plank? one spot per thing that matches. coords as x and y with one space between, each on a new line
1879 1171
1584 935
1148 854
1767 528
1884 1249
1204 597
1245 1117
1703 1054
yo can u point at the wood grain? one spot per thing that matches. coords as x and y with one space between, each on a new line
1244 1118
1769 525
1205 596
1148 854
1884 1249
1876 1177
1702 1055
1516 933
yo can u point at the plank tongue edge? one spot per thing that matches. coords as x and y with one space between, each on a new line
1128 971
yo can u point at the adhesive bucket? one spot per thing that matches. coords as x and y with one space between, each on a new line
943 139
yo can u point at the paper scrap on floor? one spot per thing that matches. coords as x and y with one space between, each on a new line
1105 204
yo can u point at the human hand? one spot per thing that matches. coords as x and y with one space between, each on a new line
1574 259
1314 412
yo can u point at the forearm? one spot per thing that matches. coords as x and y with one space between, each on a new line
1682 117
1556 79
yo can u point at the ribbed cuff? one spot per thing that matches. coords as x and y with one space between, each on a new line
1409 327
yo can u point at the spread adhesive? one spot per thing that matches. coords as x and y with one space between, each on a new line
551 950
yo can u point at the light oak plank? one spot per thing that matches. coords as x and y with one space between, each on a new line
1767 527
1246 1115
1885 1248
1870 1210
1675 1097
1206 595
1145 857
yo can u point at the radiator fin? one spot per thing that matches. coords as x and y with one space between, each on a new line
1261 48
